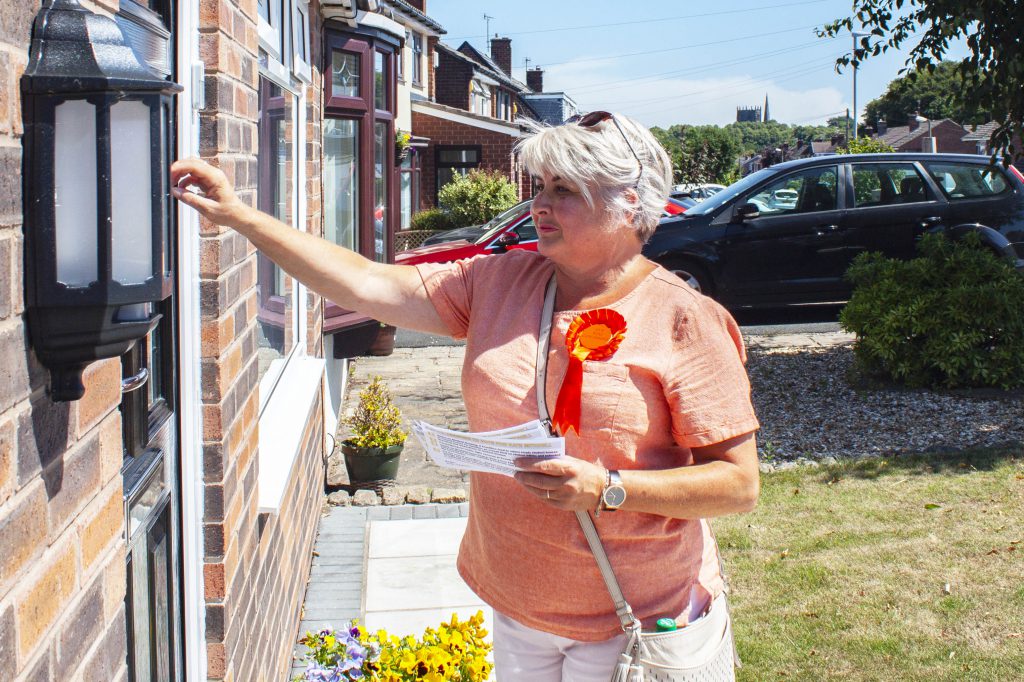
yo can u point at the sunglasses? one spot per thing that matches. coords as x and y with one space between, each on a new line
595 117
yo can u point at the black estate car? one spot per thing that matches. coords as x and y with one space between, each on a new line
786 234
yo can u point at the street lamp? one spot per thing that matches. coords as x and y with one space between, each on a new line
856 62
929 145
95 181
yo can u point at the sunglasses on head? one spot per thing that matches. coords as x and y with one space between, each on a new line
593 118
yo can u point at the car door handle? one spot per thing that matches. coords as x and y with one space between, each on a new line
822 230
931 221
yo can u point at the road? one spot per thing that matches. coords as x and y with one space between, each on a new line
808 320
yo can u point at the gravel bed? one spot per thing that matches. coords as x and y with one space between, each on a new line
809 410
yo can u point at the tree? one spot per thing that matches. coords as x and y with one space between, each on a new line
865 145
709 154
934 94
990 76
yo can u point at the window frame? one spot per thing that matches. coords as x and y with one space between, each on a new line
302 60
893 165
463 166
417 58
277 304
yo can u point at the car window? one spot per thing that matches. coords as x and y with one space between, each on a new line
724 196
884 184
967 180
500 222
805 191
527 231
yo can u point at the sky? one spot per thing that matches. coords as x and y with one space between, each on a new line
665 62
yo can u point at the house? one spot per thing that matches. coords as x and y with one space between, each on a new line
979 136
552 108
918 136
470 122
161 525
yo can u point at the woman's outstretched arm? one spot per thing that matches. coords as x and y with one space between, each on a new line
393 294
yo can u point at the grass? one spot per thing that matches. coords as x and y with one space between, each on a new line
908 568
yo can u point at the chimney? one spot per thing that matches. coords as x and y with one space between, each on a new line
501 53
881 127
535 79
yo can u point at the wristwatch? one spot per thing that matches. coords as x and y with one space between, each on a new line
614 492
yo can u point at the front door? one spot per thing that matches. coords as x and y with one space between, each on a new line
151 472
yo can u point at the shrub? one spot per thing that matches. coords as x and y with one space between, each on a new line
377 421
475 198
431 219
952 317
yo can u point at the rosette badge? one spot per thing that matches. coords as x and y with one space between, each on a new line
595 335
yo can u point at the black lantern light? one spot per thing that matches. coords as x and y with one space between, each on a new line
95 186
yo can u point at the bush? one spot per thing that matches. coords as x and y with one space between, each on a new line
377 421
952 317
865 145
475 198
431 219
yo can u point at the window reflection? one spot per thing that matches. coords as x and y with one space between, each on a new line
380 189
341 181
275 196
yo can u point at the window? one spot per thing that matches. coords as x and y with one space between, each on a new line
400 57
341 182
455 160
345 74
883 184
967 181
504 105
380 80
275 194
417 59
300 23
409 188
382 141
480 98
804 192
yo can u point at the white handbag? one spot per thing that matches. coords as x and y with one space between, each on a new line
703 650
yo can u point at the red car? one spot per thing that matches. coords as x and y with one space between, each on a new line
514 231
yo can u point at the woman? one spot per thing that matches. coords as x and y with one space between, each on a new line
663 436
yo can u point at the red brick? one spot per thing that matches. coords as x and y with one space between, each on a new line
103 523
6 459
71 483
213 581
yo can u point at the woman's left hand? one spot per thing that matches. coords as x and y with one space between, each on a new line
566 483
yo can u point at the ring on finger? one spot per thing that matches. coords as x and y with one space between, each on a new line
547 494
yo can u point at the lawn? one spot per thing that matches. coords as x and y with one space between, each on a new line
908 568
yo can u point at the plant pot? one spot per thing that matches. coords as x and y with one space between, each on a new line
365 465
384 344
401 154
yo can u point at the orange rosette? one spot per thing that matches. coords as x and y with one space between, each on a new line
594 335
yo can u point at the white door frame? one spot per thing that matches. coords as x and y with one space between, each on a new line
189 407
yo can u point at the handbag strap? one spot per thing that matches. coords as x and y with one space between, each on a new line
622 608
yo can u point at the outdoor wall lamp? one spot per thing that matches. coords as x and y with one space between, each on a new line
96 197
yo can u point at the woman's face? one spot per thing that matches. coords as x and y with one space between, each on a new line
570 231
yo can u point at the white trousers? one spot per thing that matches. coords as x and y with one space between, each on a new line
522 654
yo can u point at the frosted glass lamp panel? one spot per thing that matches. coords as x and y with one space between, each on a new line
131 193
74 193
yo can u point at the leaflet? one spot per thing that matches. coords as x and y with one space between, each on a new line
492 452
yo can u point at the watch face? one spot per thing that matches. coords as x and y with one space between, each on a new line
614 496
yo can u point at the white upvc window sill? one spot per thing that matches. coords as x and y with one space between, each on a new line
282 424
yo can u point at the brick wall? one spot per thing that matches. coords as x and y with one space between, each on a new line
62 548
496 152
451 82
256 565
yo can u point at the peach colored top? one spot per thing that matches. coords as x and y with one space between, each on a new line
676 382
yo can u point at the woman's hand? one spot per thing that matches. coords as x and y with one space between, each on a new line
566 483
213 197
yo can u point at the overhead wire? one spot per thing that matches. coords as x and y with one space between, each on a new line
659 20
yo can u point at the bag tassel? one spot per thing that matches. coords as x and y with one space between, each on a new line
636 673
621 673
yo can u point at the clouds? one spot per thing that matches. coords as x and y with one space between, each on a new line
664 101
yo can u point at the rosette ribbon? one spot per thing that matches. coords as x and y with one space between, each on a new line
593 335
